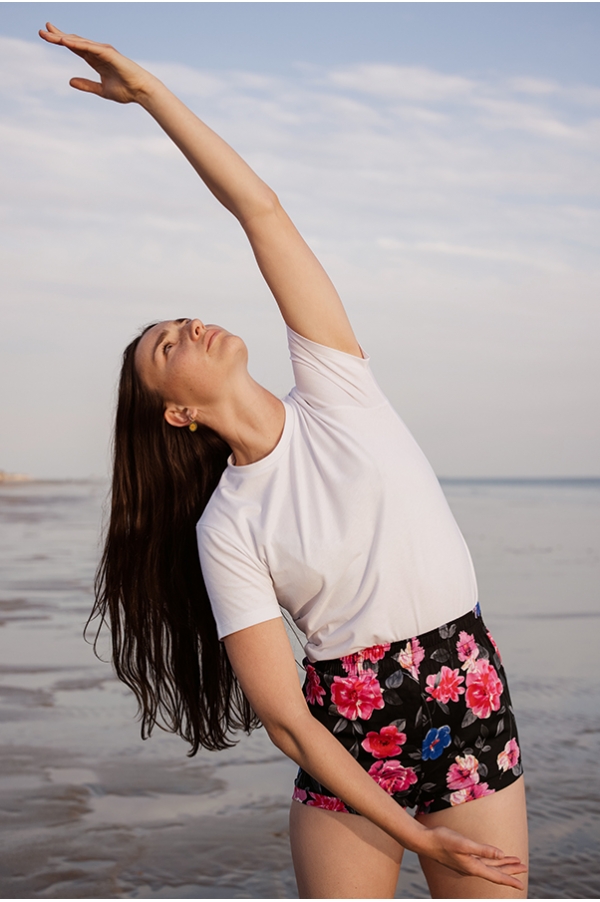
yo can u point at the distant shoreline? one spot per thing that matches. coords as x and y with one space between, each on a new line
14 477
8 478
521 480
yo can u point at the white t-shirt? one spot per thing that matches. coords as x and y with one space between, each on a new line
343 524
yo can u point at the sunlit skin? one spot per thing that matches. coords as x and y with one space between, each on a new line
201 372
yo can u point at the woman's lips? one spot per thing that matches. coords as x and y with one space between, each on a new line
211 335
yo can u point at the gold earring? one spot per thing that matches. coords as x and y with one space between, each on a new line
193 426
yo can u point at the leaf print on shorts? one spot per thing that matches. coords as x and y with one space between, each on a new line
494 646
447 630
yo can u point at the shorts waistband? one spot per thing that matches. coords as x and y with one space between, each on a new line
469 622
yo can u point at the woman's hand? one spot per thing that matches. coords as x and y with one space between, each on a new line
470 858
121 79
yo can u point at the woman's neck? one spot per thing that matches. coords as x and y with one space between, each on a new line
251 421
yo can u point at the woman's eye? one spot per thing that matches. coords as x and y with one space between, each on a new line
167 348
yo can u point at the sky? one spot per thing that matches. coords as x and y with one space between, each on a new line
441 160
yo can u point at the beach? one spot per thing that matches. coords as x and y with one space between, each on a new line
89 810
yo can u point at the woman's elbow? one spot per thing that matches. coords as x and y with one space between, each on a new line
262 209
279 735
286 735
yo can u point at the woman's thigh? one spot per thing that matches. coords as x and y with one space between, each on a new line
342 856
500 820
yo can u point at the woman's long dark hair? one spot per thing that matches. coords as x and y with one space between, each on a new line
149 585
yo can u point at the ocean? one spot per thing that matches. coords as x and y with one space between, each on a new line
89 810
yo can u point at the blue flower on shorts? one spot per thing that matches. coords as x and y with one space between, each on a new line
435 742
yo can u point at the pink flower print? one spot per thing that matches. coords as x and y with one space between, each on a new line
391 776
476 791
375 652
463 773
299 795
484 689
410 657
330 803
445 685
496 649
357 696
385 744
467 650
509 757
350 663
466 645
314 690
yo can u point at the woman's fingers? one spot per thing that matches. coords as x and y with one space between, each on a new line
496 875
491 855
84 84
476 859
496 867
73 42
121 80
499 878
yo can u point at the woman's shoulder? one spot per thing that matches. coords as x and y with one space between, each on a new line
329 377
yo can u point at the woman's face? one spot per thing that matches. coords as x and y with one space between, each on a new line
187 363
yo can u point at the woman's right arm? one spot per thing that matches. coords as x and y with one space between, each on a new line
308 301
262 659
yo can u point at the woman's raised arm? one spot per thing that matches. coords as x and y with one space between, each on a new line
306 296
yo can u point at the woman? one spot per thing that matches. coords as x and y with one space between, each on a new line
324 504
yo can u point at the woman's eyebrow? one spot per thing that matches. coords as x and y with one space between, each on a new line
158 341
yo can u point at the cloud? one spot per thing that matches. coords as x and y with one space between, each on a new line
458 216
536 86
478 253
28 72
406 82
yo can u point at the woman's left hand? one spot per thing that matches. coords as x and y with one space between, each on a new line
121 79
470 858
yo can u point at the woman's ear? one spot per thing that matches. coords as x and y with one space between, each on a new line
177 417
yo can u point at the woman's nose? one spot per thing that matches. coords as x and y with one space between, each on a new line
197 329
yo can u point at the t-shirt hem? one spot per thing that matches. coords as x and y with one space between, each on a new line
244 622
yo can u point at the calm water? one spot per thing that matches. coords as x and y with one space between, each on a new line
88 810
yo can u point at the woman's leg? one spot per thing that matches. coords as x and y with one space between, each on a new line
500 820
342 856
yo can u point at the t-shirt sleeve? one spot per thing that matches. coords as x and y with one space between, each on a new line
239 586
326 377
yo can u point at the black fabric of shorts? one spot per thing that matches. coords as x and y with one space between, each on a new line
429 718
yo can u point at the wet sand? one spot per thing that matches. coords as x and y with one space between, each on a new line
88 810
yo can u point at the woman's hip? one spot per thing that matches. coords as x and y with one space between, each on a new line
430 717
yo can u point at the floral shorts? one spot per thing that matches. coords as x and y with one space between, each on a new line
429 718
